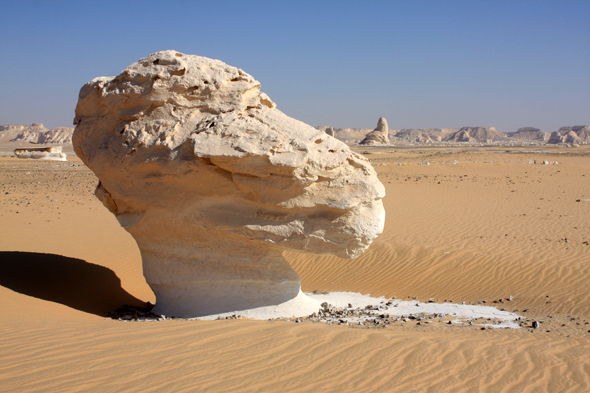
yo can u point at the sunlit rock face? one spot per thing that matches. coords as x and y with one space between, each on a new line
214 183
379 136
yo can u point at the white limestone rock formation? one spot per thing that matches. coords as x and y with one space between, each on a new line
38 134
21 132
58 135
214 183
9 131
477 135
420 135
575 134
43 153
379 136
30 133
529 134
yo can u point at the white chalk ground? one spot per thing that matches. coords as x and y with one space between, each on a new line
461 312
52 158
301 305
310 303
49 158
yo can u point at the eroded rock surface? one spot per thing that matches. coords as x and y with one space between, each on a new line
379 136
214 183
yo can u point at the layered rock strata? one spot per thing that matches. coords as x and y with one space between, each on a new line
214 183
379 136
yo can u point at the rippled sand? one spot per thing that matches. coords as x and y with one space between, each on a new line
473 226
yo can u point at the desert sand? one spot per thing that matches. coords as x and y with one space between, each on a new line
463 225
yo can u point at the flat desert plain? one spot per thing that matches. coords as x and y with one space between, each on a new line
473 225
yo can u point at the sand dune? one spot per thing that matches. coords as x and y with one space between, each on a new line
472 226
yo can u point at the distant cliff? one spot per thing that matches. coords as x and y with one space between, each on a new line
574 134
36 133
529 134
467 135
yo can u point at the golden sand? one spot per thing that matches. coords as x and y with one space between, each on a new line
475 225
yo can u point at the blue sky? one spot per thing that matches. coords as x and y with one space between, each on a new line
420 64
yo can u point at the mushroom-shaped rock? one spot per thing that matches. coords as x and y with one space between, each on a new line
214 183
379 136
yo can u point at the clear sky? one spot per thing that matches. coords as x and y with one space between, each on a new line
420 64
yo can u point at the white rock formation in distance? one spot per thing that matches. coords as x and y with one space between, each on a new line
379 136
214 183
43 153
38 134
575 134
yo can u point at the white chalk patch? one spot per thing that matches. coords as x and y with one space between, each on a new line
306 304
299 306
464 313
49 158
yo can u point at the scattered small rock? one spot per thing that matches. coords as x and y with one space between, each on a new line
135 313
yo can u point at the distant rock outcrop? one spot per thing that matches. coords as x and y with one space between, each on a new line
422 135
9 132
529 134
465 135
214 183
43 153
473 135
59 135
37 134
575 134
347 135
477 135
379 136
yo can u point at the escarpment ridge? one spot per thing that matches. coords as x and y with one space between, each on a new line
463 136
35 133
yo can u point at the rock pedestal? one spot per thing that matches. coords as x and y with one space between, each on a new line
223 274
214 183
379 136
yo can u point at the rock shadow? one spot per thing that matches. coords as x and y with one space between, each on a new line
72 282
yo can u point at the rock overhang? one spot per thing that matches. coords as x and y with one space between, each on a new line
186 143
